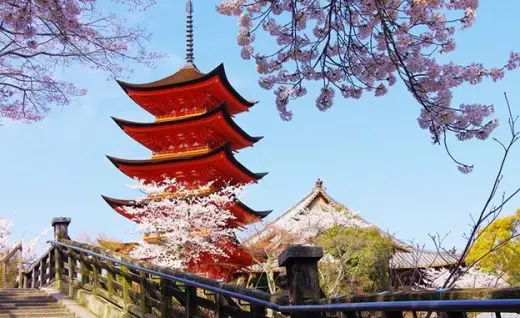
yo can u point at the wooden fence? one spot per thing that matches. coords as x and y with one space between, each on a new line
141 289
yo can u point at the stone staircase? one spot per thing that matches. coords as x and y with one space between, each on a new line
31 303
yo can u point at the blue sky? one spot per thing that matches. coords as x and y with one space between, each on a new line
370 153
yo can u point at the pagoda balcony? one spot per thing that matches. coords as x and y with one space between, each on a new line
182 114
218 166
210 129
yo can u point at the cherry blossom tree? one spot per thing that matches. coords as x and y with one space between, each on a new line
491 210
355 47
39 37
185 223
470 278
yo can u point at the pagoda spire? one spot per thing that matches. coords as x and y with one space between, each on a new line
189 32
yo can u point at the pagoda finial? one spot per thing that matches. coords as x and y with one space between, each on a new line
189 32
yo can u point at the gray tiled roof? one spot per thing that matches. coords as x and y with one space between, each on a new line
417 258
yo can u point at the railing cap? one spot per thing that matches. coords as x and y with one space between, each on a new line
300 252
60 220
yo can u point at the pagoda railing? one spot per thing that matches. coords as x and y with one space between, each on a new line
140 289
6 262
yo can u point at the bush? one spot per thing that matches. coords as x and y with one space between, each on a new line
356 261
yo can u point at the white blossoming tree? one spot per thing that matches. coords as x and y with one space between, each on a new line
470 278
184 224
5 230
27 248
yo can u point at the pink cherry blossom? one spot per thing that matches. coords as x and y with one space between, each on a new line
188 224
39 37
360 46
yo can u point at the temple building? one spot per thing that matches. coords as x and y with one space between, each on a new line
317 211
193 140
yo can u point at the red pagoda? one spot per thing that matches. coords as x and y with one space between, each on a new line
192 139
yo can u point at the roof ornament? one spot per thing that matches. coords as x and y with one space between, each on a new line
189 33
319 183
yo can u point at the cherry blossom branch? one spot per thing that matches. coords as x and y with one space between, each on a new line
356 47
36 37
489 212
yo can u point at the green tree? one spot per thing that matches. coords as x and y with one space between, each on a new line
497 248
356 261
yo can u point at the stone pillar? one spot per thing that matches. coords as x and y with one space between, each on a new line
61 228
303 283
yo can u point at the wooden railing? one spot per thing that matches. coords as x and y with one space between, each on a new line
140 289
41 273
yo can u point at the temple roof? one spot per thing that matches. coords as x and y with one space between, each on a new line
187 73
196 167
239 209
183 79
318 211
219 119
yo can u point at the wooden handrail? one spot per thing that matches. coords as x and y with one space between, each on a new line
5 264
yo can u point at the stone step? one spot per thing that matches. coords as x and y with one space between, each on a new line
30 305
41 297
18 290
20 293
23 313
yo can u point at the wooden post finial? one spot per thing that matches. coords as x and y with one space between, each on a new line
301 263
61 227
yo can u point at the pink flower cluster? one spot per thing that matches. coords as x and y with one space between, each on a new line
189 225
360 46
38 36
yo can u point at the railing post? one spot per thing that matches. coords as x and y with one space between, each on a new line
42 272
127 286
190 305
72 271
61 228
33 277
4 273
142 294
301 264
57 268
111 277
95 275
61 231
20 268
83 269
166 299
51 263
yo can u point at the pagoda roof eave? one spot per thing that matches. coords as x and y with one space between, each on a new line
221 109
116 203
259 214
219 71
225 149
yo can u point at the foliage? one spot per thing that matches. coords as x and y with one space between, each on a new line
187 222
357 260
352 47
497 248
266 250
12 273
37 38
